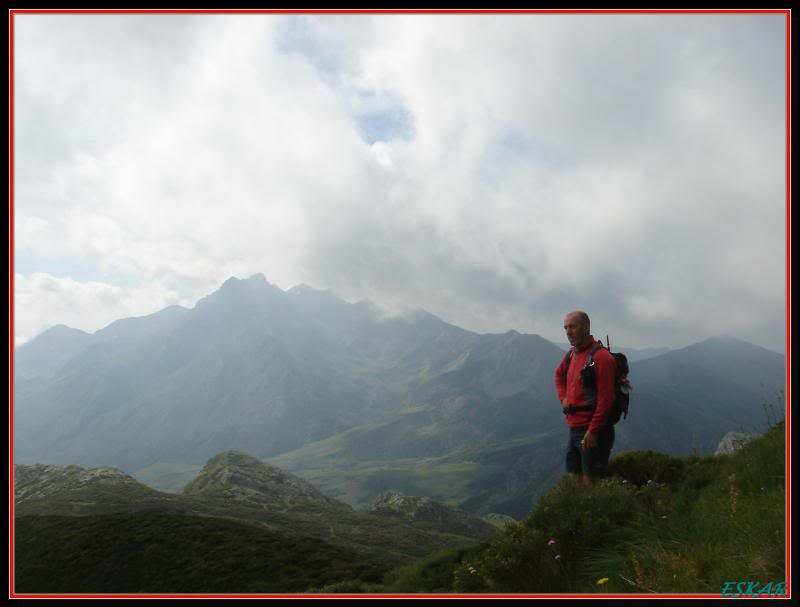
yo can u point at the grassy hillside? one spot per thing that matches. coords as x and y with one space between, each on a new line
156 553
660 524
238 486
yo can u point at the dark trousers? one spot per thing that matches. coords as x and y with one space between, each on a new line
589 462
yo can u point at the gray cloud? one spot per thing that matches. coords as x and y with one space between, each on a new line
495 170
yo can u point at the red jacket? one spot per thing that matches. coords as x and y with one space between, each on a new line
571 393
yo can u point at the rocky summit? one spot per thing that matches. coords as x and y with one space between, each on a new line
242 476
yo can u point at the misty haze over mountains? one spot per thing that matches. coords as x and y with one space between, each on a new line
354 401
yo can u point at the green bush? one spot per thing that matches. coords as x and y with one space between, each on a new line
639 467
435 574
546 552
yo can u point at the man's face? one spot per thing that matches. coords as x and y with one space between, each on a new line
577 332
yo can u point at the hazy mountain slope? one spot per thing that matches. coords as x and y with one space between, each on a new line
689 399
43 356
236 371
475 447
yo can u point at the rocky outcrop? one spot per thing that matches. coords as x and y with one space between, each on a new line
39 481
236 474
424 511
732 442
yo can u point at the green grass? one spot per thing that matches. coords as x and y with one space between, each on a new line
660 524
156 553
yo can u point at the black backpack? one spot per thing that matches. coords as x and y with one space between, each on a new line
622 387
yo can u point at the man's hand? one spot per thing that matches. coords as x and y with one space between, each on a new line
590 440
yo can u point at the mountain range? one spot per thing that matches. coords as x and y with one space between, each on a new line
353 401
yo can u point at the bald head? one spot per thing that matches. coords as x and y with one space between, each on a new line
576 326
580 316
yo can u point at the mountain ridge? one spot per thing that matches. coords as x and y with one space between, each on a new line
356 402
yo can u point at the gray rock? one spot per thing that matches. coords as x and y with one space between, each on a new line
241 475
733 441
424 511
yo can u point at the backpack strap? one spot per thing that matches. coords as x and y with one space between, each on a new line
595 348
589 363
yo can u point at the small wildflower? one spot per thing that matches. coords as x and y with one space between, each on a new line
602 581
551 542
558 556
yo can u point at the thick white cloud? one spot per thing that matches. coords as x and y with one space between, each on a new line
496 170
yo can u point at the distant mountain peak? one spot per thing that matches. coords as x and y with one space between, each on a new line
60 331
253 288
257 279
727 341
727 345
62 328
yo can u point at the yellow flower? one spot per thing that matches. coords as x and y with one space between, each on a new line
602 581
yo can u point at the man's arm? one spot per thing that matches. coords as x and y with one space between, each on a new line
561 381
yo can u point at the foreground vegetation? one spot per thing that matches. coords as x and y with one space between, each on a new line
158 553
659 524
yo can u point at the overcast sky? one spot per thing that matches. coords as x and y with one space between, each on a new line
495 170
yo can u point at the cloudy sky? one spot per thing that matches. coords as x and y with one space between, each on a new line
496 170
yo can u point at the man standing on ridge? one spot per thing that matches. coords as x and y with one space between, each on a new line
587 394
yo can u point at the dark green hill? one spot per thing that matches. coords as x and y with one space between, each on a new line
158 553
240 487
